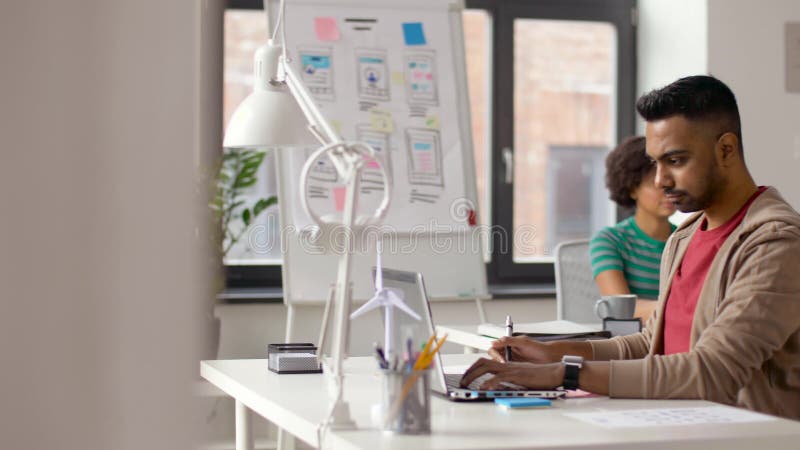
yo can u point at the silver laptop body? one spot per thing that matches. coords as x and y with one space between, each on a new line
415 296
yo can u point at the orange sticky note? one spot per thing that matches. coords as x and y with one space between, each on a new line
326 28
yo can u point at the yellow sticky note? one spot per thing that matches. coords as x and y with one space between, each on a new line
398 78
381 121
337 126
432 122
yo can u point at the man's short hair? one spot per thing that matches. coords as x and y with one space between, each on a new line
699 97
626 167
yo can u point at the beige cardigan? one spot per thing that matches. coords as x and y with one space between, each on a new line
745 338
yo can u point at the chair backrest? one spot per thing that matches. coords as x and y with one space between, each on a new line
576 290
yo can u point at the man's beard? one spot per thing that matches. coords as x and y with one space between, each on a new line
691 203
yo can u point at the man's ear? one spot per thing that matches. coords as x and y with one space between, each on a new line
727 148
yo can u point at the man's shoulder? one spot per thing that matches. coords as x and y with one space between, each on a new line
772 211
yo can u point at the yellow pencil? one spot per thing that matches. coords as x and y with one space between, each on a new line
429 357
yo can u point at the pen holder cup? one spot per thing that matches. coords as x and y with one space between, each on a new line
406 403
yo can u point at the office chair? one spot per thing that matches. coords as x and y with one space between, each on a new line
576 290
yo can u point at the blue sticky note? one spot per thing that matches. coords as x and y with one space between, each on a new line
413 33
522 402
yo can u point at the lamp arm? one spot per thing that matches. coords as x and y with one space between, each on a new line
320 126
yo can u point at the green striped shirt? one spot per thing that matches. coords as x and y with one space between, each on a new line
627 248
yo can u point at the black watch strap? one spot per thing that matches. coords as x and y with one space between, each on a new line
572 368
571 372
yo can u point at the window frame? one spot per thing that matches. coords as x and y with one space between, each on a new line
502 270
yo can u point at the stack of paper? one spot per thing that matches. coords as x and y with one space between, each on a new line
553 327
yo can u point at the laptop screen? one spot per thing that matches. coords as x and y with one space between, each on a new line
414 295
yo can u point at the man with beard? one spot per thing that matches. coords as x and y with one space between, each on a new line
727 324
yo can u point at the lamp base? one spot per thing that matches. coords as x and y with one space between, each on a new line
339 418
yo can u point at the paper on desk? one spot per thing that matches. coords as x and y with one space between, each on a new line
551 327
631 418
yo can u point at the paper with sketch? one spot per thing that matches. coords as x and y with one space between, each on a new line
551 327
669 416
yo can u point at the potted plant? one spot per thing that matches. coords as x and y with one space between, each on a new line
238 171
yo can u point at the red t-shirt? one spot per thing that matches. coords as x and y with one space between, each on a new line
690 277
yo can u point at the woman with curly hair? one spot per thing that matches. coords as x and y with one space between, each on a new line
627 256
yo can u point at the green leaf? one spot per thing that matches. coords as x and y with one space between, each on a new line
235 205
246 217
263 204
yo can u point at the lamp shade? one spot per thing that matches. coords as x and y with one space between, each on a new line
270 116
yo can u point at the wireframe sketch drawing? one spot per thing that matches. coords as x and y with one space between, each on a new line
324 170
380 142
372 70
316 68
424 150
420 77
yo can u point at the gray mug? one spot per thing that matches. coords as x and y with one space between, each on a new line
615 306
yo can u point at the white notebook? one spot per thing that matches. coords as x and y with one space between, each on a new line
551 327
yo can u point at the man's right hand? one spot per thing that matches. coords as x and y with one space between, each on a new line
523 349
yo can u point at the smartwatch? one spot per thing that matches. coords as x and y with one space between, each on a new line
572 367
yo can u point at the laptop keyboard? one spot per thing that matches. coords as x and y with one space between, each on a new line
453 381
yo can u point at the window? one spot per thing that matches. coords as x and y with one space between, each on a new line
255 260
551 90
564 93
477 25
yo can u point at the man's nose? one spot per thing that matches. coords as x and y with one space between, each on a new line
662 179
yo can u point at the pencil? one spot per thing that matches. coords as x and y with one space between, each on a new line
423 362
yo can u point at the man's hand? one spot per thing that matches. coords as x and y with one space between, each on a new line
523 349
531 376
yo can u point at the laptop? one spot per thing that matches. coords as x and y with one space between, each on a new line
445 384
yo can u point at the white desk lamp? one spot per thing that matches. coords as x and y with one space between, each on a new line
271 117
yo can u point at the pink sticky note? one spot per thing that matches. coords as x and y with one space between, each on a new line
338 197
326 29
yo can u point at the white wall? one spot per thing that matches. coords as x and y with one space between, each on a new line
102 276
746 50
671 43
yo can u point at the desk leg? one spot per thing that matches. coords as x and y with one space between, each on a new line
481 310
285 440
244 429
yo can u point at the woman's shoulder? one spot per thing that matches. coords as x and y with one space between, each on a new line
614 232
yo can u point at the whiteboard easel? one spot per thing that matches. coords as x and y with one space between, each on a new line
450 259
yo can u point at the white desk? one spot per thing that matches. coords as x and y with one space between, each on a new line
298 403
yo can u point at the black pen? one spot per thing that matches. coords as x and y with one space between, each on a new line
379 356
509 333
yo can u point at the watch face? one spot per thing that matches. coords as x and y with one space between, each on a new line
570 359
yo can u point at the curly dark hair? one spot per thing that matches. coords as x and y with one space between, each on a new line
626 167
